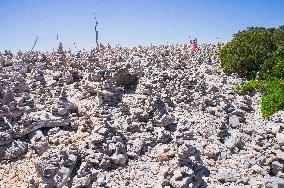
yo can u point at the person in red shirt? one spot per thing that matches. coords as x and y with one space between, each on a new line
194 45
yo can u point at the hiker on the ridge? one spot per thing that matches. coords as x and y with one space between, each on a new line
194 44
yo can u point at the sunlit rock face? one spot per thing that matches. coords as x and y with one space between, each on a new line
159 116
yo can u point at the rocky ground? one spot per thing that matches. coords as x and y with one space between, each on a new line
159 116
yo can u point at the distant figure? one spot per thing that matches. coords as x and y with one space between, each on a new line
194 45
60 48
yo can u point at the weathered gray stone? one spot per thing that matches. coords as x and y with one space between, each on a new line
119 159
13 150
278 117
280 138
165 120
8 97
39 142
280 155
226 175
54 168
234 121
125 79
276 167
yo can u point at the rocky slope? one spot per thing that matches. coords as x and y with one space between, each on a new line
159 116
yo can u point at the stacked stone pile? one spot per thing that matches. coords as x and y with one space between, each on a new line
159 116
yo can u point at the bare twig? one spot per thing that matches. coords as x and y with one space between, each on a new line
34 43
7 122
96 30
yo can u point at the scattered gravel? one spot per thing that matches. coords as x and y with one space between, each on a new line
159 116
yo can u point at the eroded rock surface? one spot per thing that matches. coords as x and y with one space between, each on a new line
159 116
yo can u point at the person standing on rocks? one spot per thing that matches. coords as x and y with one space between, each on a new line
194 44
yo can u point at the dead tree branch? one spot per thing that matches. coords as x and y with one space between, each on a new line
34 43
96 30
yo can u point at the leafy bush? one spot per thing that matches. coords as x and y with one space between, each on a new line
279 53
278 69
279 35
242 56
272 90
271 86
247 51
249 87
272 103
274 65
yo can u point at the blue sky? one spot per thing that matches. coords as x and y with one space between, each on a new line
129 22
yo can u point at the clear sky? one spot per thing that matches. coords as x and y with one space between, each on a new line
129 22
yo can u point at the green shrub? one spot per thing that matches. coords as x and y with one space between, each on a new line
272 90
274 65
279 53
272 103
258 50
249 87
279 35
278 69
271 86
247 51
